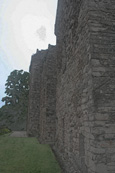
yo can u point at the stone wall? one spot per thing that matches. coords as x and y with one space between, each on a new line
74 101
34 93
48 98
42 96
78 87
102 38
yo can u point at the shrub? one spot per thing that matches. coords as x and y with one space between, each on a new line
4 131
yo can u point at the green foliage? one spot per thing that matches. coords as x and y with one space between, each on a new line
13 117
4 131
17 87
26 155
13 114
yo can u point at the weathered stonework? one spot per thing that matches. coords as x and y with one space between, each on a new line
42 96
72 88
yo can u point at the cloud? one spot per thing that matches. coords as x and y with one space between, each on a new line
25 25
41 32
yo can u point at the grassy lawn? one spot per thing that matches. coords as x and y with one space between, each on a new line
26 155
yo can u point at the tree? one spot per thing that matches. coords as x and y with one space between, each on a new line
17 88
14 113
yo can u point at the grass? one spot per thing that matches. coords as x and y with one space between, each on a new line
26 155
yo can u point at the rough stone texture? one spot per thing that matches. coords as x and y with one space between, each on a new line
42 96
82 104
34 94
48 98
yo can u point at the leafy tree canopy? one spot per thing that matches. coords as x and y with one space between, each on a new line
13 114
17 88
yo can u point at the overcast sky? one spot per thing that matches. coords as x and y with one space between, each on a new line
25 25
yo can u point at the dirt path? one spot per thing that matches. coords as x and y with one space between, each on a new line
19 134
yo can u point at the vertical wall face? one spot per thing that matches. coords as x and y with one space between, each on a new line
34 94
42 96
48 98
85 102
72 94
74 102
102 38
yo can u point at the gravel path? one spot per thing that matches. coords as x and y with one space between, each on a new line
19 134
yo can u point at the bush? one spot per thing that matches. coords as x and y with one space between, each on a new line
4 131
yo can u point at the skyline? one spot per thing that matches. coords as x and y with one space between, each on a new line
25 25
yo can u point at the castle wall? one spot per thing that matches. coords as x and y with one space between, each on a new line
72 88
85 126
74 102
102 38
42 96
34 93
48 98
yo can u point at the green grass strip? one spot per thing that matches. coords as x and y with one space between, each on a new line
26 155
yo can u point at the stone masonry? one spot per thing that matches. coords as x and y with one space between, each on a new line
72 88
42 97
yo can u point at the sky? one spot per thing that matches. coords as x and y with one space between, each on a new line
25 25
